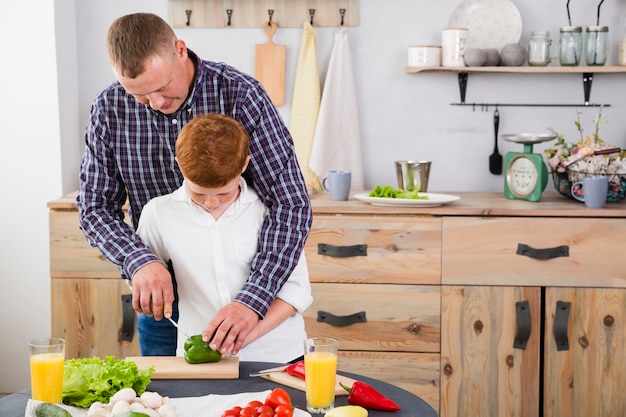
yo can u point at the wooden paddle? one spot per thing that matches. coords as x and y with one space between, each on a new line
269 66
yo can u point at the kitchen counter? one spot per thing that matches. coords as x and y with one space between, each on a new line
474 204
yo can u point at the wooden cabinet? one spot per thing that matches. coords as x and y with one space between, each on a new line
88 308
376 285
521 335
435 300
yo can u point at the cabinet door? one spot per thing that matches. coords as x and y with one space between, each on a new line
482 373
89 315
588 376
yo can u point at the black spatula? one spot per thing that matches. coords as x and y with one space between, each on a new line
495 159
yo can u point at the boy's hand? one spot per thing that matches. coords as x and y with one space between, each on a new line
231 326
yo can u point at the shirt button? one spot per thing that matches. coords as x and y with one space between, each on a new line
174 121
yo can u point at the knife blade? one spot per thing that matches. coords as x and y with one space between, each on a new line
130 285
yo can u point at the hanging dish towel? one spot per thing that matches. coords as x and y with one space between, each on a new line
337 142
306 105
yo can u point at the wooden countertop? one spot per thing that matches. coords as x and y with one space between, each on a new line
471 204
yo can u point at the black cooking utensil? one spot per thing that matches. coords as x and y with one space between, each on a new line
495 159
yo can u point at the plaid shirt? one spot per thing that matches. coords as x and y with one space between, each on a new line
129 154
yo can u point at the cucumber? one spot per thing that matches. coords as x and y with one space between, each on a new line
50 410
132 414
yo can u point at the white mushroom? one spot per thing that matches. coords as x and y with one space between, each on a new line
151 413
125 394
120 407
138 407
97 409
167 410
151 400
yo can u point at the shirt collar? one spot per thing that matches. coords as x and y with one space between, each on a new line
246 196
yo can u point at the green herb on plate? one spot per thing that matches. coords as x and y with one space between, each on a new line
390 192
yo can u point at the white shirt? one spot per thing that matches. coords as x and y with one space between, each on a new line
211 259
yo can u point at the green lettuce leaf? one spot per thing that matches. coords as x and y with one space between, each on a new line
390 192
88 380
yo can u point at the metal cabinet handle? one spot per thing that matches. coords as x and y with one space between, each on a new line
542 254
341 321
522 310
128 318
561 318
341 251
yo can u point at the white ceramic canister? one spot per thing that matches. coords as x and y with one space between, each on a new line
453 46
424 56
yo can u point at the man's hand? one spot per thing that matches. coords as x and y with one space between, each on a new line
231 326
153 291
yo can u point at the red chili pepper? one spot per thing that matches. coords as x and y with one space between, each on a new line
296 369
366 396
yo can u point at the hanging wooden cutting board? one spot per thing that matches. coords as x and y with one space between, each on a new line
175 367
269 66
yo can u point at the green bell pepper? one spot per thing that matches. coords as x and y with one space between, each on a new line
198 351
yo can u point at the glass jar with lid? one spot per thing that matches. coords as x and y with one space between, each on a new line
539 48
597 45
570 45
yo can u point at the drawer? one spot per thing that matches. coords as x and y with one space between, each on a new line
399 250
71 255
398 318
415 372
484 251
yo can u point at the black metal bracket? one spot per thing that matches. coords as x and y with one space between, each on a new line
587 82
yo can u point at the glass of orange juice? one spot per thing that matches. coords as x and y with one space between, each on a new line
320 368
47 359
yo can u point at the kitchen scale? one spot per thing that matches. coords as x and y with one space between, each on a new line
526 173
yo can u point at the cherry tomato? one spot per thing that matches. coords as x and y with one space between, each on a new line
277 397
248 412
230 413
254 404
283 410
264 410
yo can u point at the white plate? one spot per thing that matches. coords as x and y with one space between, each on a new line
491 23
434 200
529 137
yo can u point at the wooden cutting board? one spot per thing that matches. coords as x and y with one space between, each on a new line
297 383
269 66
175 367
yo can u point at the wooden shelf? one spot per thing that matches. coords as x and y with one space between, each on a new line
521 70
463 74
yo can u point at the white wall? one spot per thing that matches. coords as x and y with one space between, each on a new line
30 176
402 115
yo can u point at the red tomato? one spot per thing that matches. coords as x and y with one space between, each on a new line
254 404
248 412
230 413
277 397
283 410
265 410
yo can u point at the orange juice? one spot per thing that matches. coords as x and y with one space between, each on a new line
46 376
320 369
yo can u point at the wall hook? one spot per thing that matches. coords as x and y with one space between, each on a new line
229 14
270 14
342 13
188 13
312 14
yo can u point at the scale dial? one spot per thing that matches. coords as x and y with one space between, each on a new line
522 176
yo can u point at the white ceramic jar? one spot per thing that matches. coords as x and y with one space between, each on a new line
453 46
424 56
